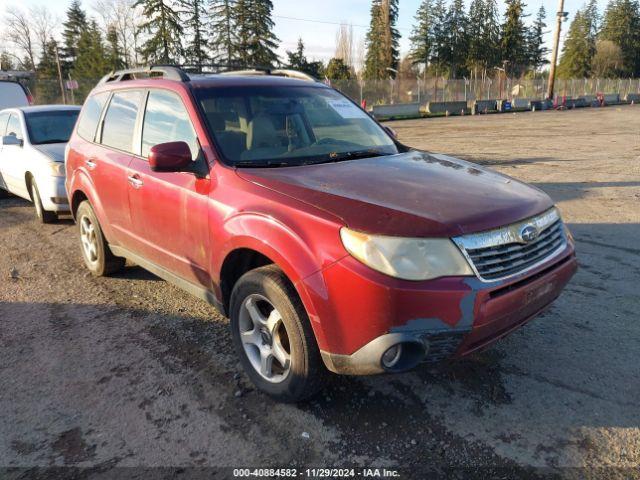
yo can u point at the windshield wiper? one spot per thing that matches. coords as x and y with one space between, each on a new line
263 164
342 156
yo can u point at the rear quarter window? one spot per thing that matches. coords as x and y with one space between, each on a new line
90 116
12 95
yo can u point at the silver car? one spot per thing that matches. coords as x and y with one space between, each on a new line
32 144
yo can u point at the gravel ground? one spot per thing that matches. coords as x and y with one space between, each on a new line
129 371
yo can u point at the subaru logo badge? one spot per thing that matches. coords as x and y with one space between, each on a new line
528 233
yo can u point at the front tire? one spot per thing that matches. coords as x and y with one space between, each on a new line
96 253
273 336
43 215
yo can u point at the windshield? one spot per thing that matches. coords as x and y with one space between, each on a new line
288 126
50 127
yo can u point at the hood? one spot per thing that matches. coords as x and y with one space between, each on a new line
55 151
412 194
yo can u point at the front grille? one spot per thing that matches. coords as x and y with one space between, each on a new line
503 253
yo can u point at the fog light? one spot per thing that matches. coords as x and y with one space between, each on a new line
391 357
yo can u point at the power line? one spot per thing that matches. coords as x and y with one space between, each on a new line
327 22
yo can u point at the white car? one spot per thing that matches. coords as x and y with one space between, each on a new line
32 144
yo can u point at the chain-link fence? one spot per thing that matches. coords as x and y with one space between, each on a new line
375 92
443 90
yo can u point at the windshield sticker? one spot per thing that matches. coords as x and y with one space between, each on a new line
346 109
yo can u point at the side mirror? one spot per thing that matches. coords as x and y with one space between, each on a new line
12 140
170 157
391 132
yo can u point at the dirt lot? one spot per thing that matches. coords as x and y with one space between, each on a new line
130 371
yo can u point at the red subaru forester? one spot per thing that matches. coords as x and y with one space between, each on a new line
328 244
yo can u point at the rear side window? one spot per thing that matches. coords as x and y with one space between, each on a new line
120 120
90 116
167 120
4 117
14 128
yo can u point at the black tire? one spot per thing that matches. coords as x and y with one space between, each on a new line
42 215
104 262
307 372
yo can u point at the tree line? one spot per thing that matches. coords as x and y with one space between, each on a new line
603 46
447 39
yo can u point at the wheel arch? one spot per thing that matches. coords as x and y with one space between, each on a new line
256 240
28 179
81 188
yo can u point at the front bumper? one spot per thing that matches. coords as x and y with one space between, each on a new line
53 193
448 317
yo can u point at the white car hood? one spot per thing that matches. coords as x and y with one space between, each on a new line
55 151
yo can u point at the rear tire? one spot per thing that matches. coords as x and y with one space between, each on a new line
270 327
43 215
97 255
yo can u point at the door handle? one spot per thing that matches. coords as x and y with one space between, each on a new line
90 164
135 181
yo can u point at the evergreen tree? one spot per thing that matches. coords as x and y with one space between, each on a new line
577 51
491 55
47 88
474 32
382 40
592 17
224 40
6 62
298 61
537 51
196 49
440 37
257 43
422 35
337 70
165 30
114 55
621 25
91 62
513 42
25 64
74 25
457 41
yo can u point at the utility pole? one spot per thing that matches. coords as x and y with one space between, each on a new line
64 100
561 17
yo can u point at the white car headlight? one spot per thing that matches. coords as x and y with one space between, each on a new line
56 169
407 258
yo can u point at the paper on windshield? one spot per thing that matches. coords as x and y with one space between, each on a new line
346 109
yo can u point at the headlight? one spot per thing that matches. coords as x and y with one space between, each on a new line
56 169
406 258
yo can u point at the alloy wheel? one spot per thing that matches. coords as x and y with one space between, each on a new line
89 239
264 338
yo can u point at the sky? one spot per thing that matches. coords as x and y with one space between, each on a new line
302 19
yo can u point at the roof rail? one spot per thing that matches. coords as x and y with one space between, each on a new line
275 72
179 73
164 71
